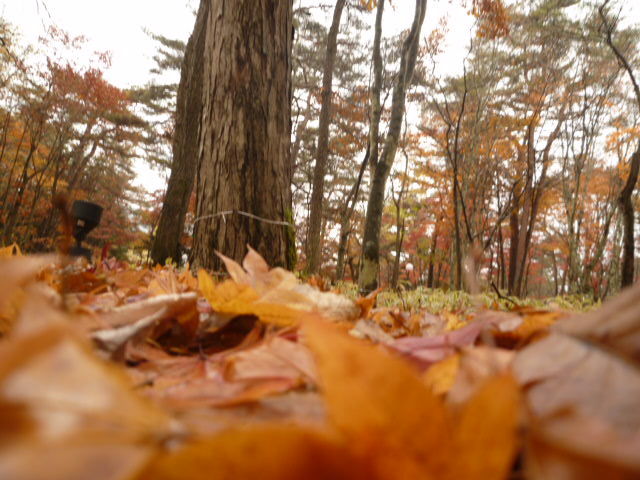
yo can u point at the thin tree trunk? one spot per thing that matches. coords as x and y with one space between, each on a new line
376 88
400 226
628 219
314 238
514 228
555 274
371 156
626 205
368 279
166 243
345 218
432 254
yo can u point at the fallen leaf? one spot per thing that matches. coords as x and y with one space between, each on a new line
477 365
425 351
268 452
486 432
560 372
83 418
573 446
275 358
441 376
532 325
380 404
616 324
273 295
10 251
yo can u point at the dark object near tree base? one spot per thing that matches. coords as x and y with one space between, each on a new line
86 216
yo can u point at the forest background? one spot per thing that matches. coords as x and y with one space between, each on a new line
516 159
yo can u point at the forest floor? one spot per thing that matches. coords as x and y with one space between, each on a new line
114 372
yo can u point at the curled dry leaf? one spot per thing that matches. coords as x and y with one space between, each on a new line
274 295
370 330
172 305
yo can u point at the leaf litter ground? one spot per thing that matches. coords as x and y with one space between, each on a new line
119 373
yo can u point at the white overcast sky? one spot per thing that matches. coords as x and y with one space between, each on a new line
119 26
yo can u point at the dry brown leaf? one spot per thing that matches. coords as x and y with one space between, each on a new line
476 366
367 303
182 383
616 324
129 279
275 358
563 373
575 447
299 407
80 412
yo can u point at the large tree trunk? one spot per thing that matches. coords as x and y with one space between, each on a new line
314 238
166 243
368 279
244 165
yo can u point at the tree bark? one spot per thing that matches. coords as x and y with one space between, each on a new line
371 156
244 163
345 219
626 205
376 88
628 220
166 242
432 255
314 238
368 279
400 225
